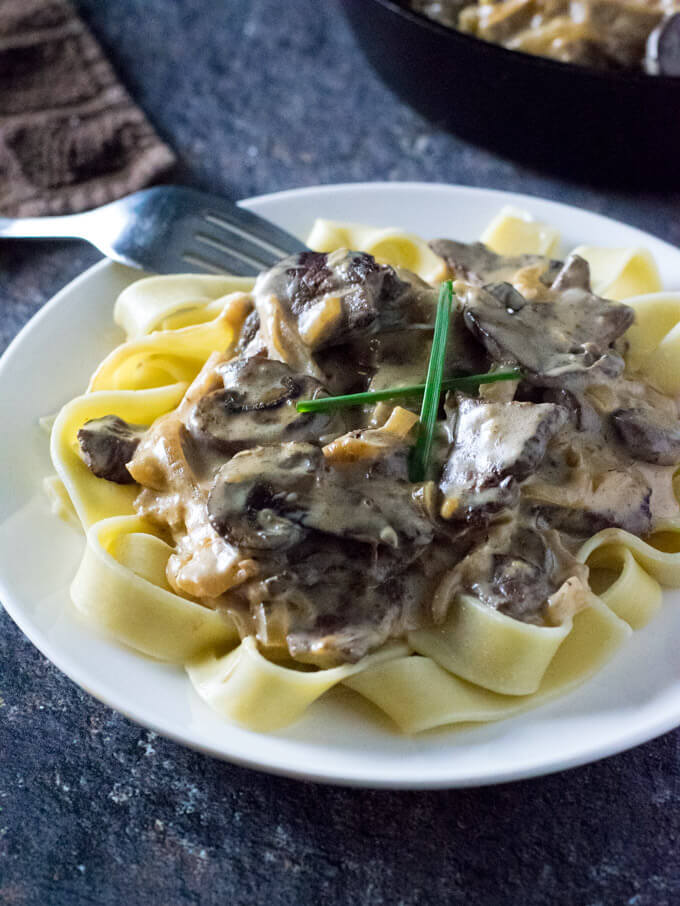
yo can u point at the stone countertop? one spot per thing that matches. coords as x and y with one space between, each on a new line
95 810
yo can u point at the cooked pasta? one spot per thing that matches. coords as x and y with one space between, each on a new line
168 587
604 34
514 232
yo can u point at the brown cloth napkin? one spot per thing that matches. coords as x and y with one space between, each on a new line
70 136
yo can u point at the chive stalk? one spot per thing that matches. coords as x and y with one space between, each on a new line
462 382
420 454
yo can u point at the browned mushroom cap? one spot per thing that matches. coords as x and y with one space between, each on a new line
566 339
255 498
475 262
107 444
258 406
268 498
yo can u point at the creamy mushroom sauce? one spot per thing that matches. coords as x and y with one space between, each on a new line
606 34
305 528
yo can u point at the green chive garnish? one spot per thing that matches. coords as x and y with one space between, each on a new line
420 454
463 382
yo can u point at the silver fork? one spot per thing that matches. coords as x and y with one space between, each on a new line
169 229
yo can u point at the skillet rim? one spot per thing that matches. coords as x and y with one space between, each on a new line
612 76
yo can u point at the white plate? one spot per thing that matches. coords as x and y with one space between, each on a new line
342 739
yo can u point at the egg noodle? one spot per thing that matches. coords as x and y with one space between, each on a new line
479 665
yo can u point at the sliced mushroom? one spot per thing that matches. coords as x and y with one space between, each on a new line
107 444
258 406
269 497
563 338
254 500
476 263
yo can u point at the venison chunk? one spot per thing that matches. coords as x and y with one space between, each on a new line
496 445
648 434
107 444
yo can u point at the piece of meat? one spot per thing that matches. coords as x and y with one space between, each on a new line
613 499
257 405
574 274
331 298
361 617
562 339
333 362
334 605
271 498
496 445
333 602
107 444
581 413
648 434
515 570
519 580
397 358
344 556
475 263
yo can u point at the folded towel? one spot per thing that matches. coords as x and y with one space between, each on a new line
70 136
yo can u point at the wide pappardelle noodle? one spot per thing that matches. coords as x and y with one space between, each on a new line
277 553
604 34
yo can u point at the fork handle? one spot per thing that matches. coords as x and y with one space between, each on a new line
68 226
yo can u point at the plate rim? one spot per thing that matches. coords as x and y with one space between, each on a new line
621 741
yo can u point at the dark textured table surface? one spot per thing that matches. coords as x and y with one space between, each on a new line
258 95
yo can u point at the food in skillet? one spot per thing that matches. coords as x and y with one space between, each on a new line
605 34
265 501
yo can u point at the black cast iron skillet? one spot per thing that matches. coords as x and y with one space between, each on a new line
620 127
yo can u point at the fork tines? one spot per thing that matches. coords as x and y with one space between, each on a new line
247 247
